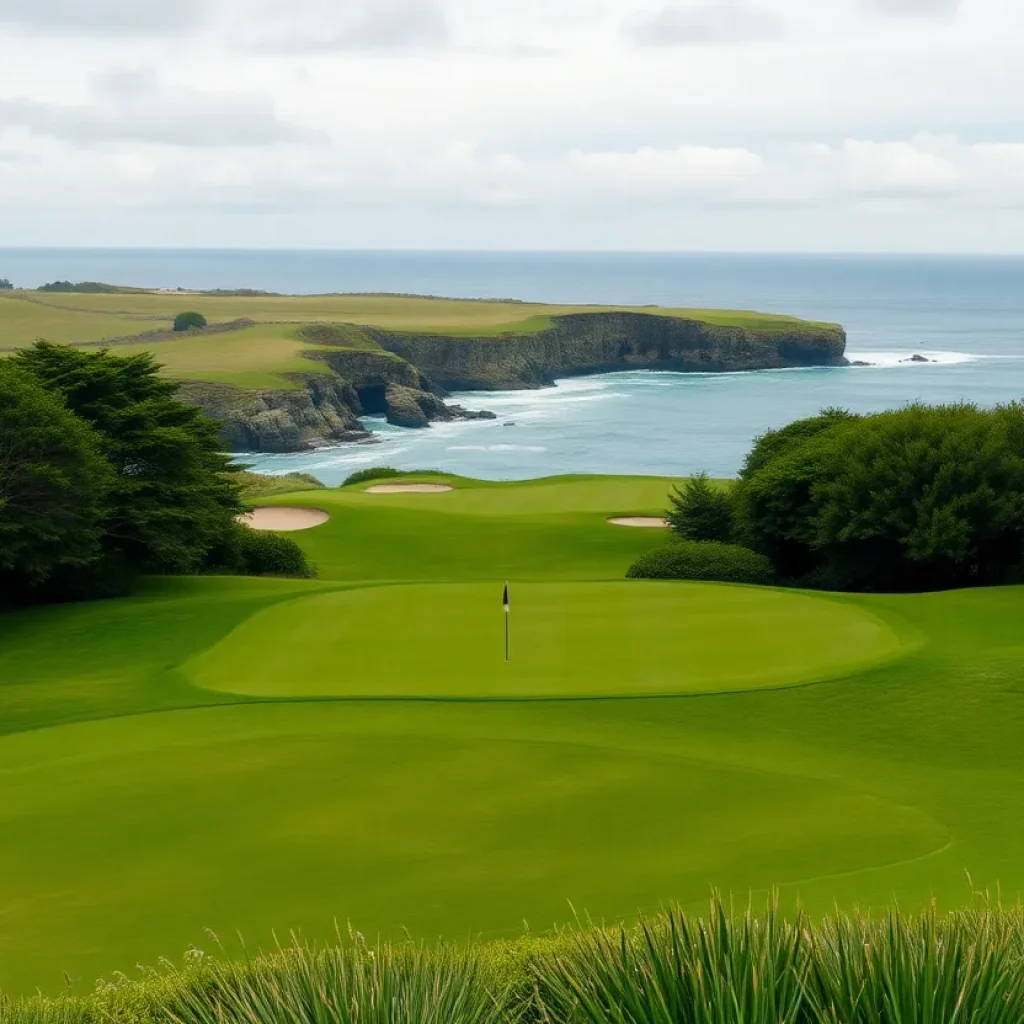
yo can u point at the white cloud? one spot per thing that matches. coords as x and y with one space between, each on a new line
923 166
459 137
652 174
136 107
374 26
99 17
915 8
707 23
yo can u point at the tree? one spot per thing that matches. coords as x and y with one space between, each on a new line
189 321
700 511
919 499
172 497
5 285
773 443
54 486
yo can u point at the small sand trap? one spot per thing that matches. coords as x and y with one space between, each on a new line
650 522
281 518
407 489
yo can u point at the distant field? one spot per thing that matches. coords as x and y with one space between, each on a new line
82 317
264 356
267 754
256 357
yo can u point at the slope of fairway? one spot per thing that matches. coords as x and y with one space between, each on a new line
125 839
124 833
548 529
571 640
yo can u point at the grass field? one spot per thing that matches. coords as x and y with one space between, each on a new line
267 754
263 356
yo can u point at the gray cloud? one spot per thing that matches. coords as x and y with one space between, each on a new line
381 26
704 24
915 8
102 17
135 108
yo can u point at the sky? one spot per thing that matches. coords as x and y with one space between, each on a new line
768 125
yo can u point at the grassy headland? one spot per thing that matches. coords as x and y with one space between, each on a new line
282 371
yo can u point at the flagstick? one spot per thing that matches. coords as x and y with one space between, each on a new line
505 602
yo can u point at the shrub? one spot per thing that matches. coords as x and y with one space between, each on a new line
260 485
189 321
706 561
361 476
923 498
248 552
730 965
5 285
701 511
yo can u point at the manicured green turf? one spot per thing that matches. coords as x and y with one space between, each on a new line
571 640
138 808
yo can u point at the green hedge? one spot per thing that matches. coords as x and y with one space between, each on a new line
706 561
248 552
361 476
261 485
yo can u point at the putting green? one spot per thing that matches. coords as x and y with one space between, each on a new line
569 640
261 817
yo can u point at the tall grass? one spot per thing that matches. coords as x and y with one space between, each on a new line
721 968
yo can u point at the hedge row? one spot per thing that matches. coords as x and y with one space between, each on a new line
704 561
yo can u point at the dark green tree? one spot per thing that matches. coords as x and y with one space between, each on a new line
918 499
5 285
773 443
172 497
189 321
700 510
54 488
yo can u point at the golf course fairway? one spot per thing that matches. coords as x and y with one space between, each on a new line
257 755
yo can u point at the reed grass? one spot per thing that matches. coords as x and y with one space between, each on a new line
725 967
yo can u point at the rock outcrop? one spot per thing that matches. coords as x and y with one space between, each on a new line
324 409
412 407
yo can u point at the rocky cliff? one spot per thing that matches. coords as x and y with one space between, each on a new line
323 409
405 377
603 342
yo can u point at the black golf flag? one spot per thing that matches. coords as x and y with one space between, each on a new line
506 606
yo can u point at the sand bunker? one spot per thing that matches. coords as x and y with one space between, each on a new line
650 522
281 517
407 488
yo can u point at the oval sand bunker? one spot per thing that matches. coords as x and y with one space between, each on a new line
407 489
284 518
648 522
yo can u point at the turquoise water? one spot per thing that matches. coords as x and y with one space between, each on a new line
966 315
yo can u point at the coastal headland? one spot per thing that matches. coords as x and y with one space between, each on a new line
283 372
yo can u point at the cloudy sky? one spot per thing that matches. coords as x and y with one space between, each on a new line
840 125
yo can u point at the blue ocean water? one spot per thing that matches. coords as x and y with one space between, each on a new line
964 314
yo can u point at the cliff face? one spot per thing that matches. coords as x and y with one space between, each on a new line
406 377
280 421
603 342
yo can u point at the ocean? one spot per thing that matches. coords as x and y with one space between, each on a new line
965 315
